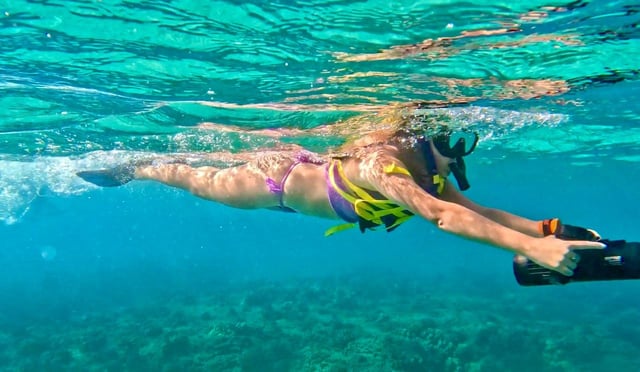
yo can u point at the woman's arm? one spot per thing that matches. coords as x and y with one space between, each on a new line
524 225
449 216
549 252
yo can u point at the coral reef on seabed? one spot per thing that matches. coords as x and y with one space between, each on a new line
350 323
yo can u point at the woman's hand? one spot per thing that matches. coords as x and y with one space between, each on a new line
557 254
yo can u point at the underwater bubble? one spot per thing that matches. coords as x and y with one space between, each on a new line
48 252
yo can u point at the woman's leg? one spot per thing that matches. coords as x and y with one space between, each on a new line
243 186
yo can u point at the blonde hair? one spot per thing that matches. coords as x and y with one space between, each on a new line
398 121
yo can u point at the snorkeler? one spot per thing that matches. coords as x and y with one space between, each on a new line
379 182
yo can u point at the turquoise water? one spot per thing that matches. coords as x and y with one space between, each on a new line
146 278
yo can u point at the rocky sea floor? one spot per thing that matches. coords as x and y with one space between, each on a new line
348 323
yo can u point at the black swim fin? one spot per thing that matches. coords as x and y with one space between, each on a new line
112 177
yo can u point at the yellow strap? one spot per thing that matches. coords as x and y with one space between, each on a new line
332 180
335 229
440 182
360 192
363 203
393 168
399 221
365 209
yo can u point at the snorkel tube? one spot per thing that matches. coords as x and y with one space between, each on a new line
619 260
459 170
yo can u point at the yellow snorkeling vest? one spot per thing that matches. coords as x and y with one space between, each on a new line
367 208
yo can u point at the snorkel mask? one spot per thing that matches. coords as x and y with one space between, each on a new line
456 145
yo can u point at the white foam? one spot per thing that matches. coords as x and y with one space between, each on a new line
24 179
488 119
